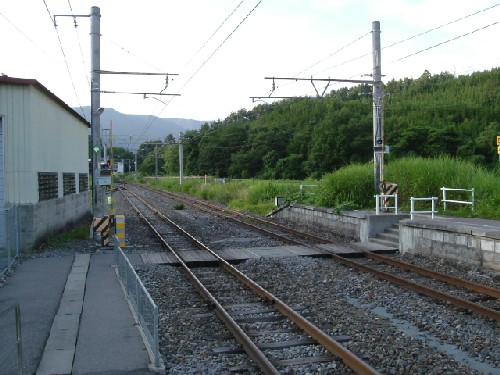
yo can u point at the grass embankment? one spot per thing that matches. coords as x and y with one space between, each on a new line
352 187
249 195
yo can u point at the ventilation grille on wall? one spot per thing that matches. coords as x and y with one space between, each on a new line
47 185
69 183
83 184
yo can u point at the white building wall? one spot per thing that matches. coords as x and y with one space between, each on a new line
59 141
16 120
40 136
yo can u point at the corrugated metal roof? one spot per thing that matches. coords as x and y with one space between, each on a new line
6 80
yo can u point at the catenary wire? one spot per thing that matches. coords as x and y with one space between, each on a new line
202 65
79 44
213 34
65 60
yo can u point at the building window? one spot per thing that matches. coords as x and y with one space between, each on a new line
69 183
47 185
83 182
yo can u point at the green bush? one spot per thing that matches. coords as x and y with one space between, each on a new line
351 186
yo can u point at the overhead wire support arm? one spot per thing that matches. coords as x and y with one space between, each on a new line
323 79
69 15
137 73
137 93
254 98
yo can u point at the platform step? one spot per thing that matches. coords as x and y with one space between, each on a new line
388 245
390 237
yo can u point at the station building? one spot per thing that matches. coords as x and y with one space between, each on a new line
44 169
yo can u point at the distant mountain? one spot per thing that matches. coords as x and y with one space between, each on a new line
130 131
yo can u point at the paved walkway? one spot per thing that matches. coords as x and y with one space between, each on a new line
75 319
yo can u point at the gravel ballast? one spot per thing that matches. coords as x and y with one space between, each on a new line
395 330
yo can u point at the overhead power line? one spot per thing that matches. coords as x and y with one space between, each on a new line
65 59
220 45
79 43
213 34
447 41
202 65
334 53
441 26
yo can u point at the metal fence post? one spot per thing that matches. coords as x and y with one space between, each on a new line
19 340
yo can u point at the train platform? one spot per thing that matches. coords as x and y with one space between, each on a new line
75 318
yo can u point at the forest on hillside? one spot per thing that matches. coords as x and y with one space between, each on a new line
431 116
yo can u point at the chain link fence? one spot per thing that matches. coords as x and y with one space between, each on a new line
145 308
9 237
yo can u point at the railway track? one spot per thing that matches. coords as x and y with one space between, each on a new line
256 318
474 297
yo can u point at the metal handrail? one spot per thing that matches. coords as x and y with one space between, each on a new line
378 198
134 289
432 212
444 200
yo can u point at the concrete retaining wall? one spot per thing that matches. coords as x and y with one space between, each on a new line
360 225
38 221
456 241
472 241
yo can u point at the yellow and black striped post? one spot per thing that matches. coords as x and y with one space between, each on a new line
120 229
389 188
101 226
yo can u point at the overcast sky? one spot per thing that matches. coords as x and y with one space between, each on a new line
223 49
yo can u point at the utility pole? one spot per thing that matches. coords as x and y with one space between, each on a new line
181 160
378 112
378 109
156 162
95 108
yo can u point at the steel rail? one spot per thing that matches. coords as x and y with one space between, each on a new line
199 204
250 348
476 287
419 288
479 288
349 358
457 301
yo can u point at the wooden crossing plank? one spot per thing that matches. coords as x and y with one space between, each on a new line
197 256
372 246
305 251
237 254
339 249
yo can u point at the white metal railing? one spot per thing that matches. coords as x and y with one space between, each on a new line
144 306
445 200
384 198
423 212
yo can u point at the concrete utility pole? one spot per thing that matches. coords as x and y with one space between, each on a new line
95 108
378 117
156 162
181 160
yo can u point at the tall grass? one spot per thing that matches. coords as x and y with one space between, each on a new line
352 187
417 177
250 195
